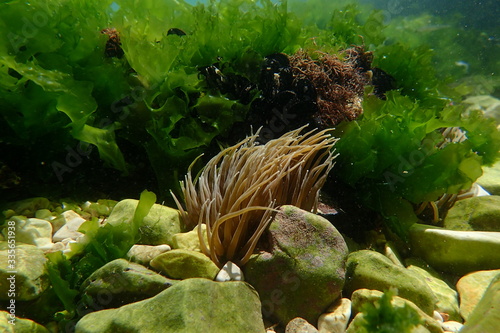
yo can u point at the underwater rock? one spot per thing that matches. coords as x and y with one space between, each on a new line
452 326
471 288
229 272
190 306
32 231
458 252
158 226
477 213
372 270
185 264
73 221
21 325
300 268
364 296
446 296
121 282
336 317
143 254
300 325
490 180
190 240
485 317
31 278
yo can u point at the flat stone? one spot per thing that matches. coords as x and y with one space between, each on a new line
336 317
300 270
70 228
300 325
184 264
189 240
229 272
21 325
474 214
143 254
362 296
190 306
158 227
31 277
372 270
471 288
447 297
486 316
457 252
121 282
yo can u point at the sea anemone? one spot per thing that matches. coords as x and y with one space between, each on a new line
238 190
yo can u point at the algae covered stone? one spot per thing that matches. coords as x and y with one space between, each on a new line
31 278
447 297
21 325
121 282
478 213
190 306
184 264
486 315
490 180
190 240
471 288
372 270
457 252
300 270
158 226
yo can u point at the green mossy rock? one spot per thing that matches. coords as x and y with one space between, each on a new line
158 226
190 306
189 240
121 282
31 277
300 270
490 180
184 264
363 296
372 270
475 214
447 297
22 325
486 315
456 252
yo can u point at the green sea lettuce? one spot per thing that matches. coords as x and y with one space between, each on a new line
152 107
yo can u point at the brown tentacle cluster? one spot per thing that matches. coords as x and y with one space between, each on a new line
238 190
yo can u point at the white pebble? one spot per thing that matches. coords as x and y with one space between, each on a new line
436 315
230 272
336 318
452 326
70 228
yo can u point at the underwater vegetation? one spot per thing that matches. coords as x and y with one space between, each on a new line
117 96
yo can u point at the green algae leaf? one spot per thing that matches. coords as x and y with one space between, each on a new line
60 275
146 201
383 317
390 155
